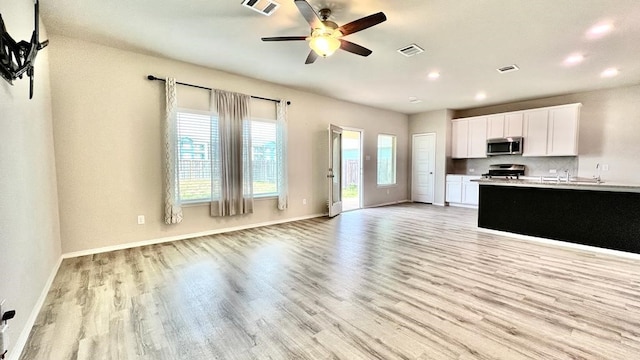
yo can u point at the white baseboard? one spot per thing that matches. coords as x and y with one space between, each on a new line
624 254
182 237
21 341
435 204
464 205
387 204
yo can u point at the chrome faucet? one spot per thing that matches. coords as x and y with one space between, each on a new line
567 174
597 176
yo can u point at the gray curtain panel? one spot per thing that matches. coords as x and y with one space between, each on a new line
232 178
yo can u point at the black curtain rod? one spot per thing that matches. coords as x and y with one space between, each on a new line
151 77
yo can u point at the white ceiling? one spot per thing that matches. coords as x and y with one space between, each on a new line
465 40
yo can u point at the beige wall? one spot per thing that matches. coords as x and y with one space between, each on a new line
438 122
108 150
609 129
29 227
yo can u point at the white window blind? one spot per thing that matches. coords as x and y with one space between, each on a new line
198 156
386 159
265 161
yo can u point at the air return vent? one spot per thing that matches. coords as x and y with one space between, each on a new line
264 7
411 50
508 68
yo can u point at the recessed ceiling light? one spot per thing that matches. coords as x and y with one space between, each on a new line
434 75
574 59
481 96
610 72
599 30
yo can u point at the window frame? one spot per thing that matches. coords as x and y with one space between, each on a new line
210 114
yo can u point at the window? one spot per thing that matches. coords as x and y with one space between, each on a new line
196 131
386 159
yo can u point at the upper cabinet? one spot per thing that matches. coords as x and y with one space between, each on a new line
459 139
513 124
504 125
563 131
550 131
535 133
469 138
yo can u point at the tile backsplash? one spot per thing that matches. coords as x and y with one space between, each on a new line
535 166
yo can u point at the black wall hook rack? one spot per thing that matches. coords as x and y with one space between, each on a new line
17 58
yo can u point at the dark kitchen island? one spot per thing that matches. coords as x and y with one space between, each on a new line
602 215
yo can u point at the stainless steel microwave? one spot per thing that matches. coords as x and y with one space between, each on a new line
505 146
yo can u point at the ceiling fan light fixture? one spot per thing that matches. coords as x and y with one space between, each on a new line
324 41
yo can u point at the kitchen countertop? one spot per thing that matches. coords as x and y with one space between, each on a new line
553 183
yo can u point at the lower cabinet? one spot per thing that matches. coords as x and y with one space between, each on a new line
461 191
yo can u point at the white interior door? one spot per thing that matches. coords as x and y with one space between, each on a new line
423 167
335 170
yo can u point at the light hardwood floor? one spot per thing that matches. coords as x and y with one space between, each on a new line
400 282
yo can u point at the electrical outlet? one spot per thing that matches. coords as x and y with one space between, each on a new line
605 167
387 191
552 171
304 201
140 219
472 170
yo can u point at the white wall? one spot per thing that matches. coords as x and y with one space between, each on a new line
108 150
609 129
438 122
29 227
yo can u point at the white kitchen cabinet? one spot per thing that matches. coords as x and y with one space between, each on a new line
563 131
477 137
453 188
495 126
459 139
552 131
461 191
535 132
469 138
513 123
549 131
470 190
504 125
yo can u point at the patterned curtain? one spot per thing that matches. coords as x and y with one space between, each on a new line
282 156
232 178
172 206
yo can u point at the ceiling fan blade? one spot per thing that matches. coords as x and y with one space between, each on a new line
363 23
284 38
309 14
354 48
311 58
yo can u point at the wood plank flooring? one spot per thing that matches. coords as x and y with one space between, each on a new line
401 282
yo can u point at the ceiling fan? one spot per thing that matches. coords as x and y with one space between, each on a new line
326 36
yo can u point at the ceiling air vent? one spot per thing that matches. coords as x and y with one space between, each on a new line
508 68
264 7
410 50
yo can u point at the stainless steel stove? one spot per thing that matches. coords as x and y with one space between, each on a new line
505 171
